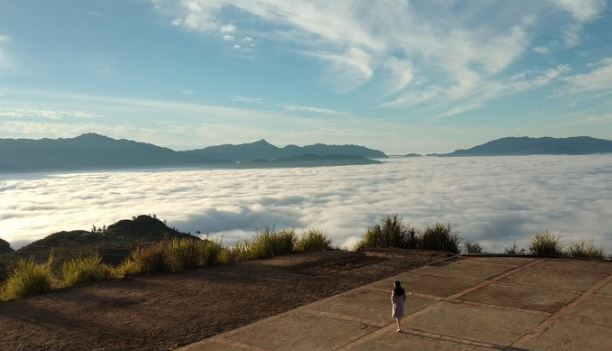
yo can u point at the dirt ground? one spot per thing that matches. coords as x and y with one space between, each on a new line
163 312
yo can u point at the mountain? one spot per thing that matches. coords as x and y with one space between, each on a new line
5 247
87 151
515 146
113 242
92 151
310 160
262 150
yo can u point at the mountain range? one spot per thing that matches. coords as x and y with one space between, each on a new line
93 151
517 146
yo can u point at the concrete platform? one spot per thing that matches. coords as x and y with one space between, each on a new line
480 303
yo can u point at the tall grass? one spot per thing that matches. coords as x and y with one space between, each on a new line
174 255
584 249
84 269
28 278
312 240
515 250
391 231
270 243
440 237
546 244
473 247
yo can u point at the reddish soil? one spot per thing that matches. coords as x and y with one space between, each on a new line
162 312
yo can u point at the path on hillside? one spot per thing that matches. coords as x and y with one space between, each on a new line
484 303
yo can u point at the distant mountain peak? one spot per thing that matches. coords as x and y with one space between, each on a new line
517 146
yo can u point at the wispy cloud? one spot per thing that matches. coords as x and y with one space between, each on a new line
18 113
598 79
6 60
314 109
422 51
248 99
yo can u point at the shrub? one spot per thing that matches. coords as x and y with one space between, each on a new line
584 249
312 240
514 250
207 252
473 247
84 269
28 278
179 254
546 244
149 259
440 237
389 232
270 243
127 268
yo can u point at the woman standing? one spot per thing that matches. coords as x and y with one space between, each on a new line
398 297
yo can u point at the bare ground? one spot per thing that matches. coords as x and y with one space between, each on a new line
162 312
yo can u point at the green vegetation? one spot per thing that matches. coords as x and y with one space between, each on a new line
440 237
84 269
312 240
514 250
166 256
391 231
546 244
28 278
270 243
181 252
473 247
584 249
173 255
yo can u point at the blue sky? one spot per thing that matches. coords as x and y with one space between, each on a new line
401 76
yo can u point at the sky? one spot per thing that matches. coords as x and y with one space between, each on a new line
399 76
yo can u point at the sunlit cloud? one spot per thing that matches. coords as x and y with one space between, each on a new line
570 195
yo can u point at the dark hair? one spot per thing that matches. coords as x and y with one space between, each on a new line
397 289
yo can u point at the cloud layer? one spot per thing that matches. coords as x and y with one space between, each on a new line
493 200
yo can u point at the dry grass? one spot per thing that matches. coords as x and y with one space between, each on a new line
546 244
28 278
84 269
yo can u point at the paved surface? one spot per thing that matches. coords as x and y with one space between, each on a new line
476 303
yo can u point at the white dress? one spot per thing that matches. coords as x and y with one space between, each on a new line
398 305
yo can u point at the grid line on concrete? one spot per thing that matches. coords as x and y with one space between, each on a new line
555 317
343 317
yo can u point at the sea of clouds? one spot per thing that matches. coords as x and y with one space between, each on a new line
494 200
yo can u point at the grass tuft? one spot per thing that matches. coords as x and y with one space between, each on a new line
391 231
514 250
584 249
473 247
546 244
270 243
440 237
312 240
28 278
84 269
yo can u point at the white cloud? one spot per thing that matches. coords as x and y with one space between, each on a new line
599 79
18 113
571 34
487 203
359 39
6 60
581 10
248 99
314 109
